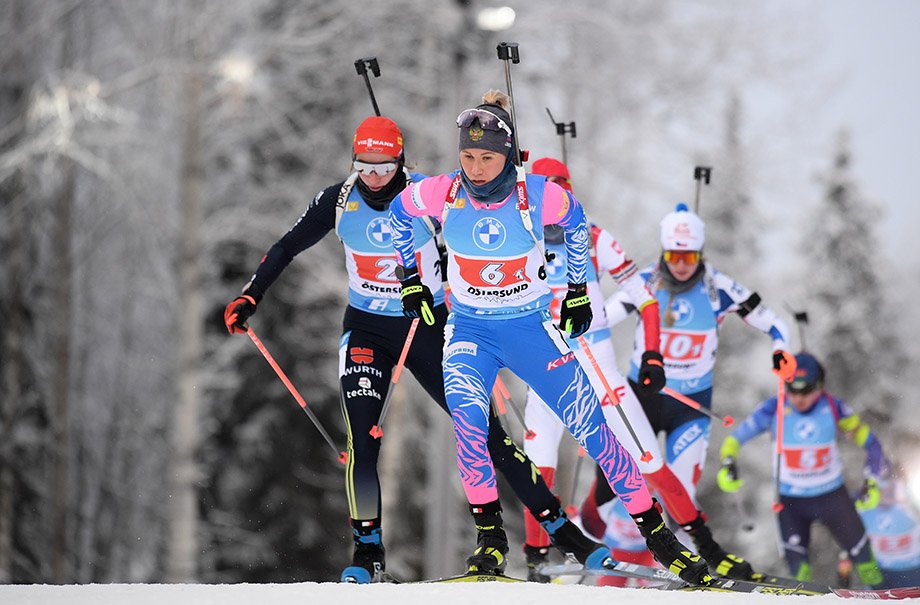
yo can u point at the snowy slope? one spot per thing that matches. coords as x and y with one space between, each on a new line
377 594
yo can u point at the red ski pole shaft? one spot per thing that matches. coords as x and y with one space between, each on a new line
780 421
341 455
646 455
726 420
377 430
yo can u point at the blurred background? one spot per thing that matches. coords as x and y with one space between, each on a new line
151 152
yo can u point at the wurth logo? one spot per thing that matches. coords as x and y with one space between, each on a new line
556 363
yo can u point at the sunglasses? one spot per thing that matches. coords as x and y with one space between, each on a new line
367 169
689 257
803 390
487 119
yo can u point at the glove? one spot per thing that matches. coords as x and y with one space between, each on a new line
417 300
651 372
870 496
575 314
727 478
238 312
784 365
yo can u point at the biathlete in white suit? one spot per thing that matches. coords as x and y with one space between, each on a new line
607 257
492 219
693 300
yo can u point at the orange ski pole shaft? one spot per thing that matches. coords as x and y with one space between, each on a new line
646 455
726 420
377 430
341 455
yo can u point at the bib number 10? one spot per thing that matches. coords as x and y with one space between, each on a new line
682 346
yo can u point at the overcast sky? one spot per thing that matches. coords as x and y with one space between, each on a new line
873 47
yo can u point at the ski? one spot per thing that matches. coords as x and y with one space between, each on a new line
895 594
466 577
473 577
663 579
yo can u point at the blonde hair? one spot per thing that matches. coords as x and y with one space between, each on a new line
497 97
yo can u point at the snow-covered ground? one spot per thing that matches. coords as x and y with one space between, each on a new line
310 593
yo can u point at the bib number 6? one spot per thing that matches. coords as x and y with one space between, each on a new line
491 273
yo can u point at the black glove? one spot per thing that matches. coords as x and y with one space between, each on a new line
238 312
651 372
417 300
575 316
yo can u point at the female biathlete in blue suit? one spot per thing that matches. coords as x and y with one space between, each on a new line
493 218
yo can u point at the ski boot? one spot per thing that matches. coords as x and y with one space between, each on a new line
720 562
369 560
536 556
667 550
490 556
566 536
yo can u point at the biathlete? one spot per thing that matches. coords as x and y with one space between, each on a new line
608 257
811 485
493 218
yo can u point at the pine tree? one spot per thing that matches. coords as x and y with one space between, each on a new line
852 324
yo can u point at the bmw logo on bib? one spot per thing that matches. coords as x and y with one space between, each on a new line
488 233
683 312
378 233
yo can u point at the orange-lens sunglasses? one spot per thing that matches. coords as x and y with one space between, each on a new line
687 256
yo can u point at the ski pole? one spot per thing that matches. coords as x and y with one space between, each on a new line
726 420
562 129
502 391
508 52
780 419
361 66
377 430
646 455
342 456
801 320
700 173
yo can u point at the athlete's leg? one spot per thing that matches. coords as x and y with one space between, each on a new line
794 526
543 450
538 353
846 526
522 476
541 357
365 364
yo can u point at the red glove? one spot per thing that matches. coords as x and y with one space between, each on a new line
238 312
784 365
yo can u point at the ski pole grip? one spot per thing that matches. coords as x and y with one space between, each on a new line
702 173
362 65
508 51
